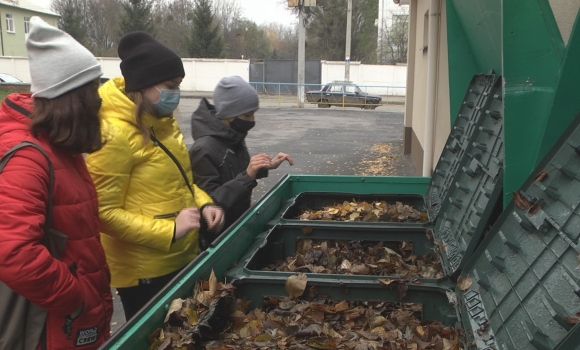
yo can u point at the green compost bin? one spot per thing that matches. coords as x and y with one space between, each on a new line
233 244
472 156
521 287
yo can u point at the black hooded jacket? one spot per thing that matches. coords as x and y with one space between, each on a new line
219 158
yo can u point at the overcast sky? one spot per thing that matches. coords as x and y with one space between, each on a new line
260 11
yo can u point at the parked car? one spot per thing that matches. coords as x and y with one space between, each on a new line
7 78
343 93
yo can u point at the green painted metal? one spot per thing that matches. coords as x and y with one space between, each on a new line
566 103
474 44
519 39
462 64
532 57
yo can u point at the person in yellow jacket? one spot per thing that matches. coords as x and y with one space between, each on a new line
149 208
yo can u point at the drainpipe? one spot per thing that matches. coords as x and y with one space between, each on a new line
1 36
432 55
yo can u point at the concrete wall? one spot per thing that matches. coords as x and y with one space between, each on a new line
387 80
203 74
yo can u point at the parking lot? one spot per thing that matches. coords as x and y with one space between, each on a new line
328 141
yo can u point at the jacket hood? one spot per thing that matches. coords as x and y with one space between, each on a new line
116 104
11 119
205 123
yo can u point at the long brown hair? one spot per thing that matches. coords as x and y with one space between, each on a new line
142 106
70 121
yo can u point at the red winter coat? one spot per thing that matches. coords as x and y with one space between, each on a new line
82 274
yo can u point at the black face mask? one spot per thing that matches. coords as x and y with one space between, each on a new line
241 125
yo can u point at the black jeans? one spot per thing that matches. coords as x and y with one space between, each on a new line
134 298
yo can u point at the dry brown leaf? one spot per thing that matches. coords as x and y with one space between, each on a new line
385 281
307 230
521 201
534 209
360 269
175 306
464 283
212 283
295 285
541 176
342 306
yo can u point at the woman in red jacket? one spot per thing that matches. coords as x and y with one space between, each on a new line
61 116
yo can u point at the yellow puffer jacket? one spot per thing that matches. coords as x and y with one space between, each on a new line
137 182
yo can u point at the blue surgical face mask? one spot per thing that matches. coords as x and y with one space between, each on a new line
168 101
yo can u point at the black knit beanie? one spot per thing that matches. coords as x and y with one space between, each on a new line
146 62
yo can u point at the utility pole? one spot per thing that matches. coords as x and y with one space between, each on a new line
301 54
347 49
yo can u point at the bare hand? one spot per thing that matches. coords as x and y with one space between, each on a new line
257 162
187 220
214 217
281 157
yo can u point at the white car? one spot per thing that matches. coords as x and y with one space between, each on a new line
6 78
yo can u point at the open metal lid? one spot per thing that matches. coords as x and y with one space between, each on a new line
475 191
478 96
521 289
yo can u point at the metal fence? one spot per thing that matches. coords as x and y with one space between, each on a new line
334 94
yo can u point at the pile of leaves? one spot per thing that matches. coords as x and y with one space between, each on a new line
359 258
192 321
213 319
377 211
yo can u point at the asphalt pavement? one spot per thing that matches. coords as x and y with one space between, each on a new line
322 141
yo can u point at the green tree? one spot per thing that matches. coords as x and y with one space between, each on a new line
326 30
137 16
72 18
205 40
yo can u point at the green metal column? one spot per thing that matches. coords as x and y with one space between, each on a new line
532 57
566 103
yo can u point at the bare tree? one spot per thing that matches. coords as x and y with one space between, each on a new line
103 26
227 12
283 40
393 43
175 23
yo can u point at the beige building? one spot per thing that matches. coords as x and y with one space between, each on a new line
14 25
431 61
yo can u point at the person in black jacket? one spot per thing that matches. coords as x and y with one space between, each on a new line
220 160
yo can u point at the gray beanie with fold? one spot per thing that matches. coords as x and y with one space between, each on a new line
58 63
233 96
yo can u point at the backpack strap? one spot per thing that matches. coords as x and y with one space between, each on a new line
6 157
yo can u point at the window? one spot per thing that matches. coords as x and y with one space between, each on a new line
9 23
351 89
336 88
26 25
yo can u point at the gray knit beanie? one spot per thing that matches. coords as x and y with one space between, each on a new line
58 63
233 96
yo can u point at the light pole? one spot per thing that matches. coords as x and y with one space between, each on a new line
301 54
347 49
